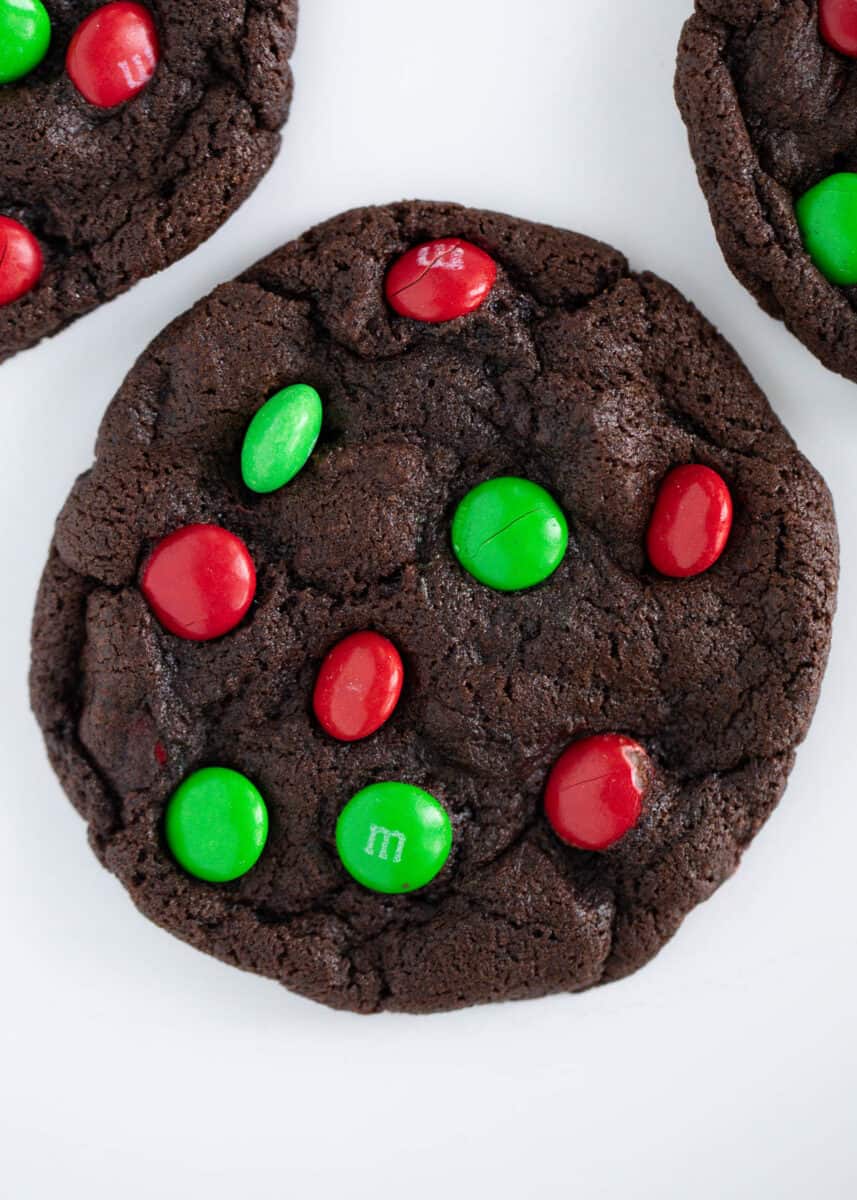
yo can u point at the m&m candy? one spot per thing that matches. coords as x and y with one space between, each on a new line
441 280
358 686
837 20
25 34
199 581
21 261
280 438
595 792
393 837
827 219
113 53
691 522
509 534
216 824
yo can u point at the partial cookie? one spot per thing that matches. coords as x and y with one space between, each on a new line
128 135
768 90
440 617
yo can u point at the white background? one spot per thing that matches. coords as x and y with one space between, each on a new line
132 1066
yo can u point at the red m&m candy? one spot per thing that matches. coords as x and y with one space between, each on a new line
113 53
20 260
358 686
691 522
199 581
838 23
440 280
594 794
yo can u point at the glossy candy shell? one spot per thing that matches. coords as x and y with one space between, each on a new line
21 262
691 522
509 533
200 582
113 54
358 686
595 792
393 837
441 280
837 21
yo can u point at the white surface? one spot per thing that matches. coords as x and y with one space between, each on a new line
133 1066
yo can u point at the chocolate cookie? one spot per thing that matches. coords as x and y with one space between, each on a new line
440 617
128 134
768 90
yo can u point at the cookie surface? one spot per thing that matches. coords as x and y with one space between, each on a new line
113 194
770 103
592 383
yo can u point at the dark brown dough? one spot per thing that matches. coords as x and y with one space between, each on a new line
770 110
577 374
114 195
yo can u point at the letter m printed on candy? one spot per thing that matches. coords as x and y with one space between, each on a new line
386 836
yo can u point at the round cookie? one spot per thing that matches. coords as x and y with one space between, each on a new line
128 134
470 793
768 91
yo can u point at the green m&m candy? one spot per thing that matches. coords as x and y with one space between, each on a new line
827 217
393 837
280 438
216 824
25 34
509 534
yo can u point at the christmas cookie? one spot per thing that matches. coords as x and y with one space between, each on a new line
768 90
440 617
128 134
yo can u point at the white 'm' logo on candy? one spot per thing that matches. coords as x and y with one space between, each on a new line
386 835
138 69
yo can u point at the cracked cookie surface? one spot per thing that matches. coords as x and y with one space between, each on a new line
114 195
770 110
576 373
